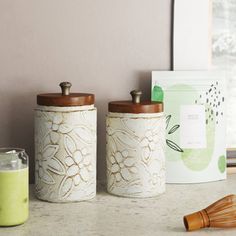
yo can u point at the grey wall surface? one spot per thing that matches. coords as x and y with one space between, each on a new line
106 47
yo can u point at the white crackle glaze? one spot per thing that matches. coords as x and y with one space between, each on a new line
135 154
65 153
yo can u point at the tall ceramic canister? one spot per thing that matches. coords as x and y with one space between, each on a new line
65 146
135 134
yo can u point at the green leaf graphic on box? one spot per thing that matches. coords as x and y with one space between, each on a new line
199 159
175 96
222 164
157 94
173 146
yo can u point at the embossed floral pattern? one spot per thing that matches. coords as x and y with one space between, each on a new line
149 143
65 148
135 156
58 124
47 163
122 166
79 166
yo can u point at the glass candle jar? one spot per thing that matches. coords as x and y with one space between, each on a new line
14 187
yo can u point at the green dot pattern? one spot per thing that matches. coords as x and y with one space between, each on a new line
222 164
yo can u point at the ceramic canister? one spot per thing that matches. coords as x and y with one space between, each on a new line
135 134
65 146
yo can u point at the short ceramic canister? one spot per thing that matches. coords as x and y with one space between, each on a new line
65 146
135 152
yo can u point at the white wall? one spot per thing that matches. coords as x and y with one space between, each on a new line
106 47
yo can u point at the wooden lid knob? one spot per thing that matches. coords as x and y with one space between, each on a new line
65 88
136 96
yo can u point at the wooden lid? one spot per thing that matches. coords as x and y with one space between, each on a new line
135 106
65 98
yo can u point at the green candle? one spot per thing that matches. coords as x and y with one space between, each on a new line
14 193
13 197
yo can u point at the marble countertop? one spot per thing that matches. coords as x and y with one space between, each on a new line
111 215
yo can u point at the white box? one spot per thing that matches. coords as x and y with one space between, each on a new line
192 35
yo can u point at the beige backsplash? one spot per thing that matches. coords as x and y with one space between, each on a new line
104 47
